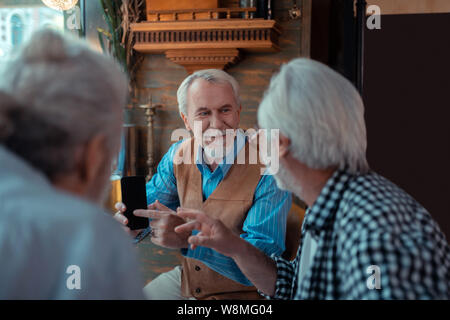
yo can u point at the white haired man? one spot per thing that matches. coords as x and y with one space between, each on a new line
247 202
362 236
60 123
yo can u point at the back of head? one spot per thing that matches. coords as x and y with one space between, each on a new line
68 93
322 114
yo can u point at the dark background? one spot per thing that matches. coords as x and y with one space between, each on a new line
406 94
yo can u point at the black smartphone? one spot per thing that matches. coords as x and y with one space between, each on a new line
134 197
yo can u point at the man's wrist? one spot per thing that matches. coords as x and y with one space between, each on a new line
240 248
184 244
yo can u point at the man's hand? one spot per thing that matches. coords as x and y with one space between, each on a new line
213 233
163 223
259 269
123 220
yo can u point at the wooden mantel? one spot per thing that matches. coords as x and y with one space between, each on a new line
202 44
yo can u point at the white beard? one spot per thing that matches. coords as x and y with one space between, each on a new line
220 147
286 181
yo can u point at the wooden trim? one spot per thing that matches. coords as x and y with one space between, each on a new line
206 43
219 10
197 59
411 6
224 24
198 14
255 47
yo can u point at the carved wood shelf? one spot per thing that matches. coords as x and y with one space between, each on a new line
198 14
212 43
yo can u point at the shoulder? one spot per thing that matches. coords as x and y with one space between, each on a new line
180 149
183 149
52 215
376 210
372 187
376 202
267 183
177 145
267 193
51 231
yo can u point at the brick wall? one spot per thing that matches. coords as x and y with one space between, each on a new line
162 77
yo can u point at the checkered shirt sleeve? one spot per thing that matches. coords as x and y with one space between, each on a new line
286 284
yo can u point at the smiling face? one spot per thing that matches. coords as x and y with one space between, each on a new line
213 105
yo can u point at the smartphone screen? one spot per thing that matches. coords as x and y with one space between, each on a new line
134 197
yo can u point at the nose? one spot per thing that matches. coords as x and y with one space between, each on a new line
216 122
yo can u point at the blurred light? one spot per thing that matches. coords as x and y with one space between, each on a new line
60 4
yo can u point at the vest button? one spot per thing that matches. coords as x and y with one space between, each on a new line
198 290
197 268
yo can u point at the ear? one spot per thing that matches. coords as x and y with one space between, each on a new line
239 110
284 145
186 122
92 159
239 113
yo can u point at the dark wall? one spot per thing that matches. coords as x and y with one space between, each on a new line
406 87
320 30
333 36
406 93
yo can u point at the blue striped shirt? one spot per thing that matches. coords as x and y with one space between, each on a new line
264 227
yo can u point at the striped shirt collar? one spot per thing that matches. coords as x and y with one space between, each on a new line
229 159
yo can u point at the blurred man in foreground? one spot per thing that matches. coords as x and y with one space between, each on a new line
362 236
60 125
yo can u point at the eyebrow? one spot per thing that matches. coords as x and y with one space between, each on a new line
202 109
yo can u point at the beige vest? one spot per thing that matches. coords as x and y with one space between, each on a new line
229 203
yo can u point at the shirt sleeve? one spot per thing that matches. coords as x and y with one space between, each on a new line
163 185
265 225
264 228
285 286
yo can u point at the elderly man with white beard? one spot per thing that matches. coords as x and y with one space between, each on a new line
362 236
212 178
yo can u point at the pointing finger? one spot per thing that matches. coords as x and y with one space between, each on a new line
159 206
153 214
197 241
188 227
195 214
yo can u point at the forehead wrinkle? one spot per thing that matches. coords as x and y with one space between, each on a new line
201 88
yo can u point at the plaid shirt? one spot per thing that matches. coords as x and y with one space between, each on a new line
360 221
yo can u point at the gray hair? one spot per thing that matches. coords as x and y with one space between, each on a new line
322 114
210 75
68 93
